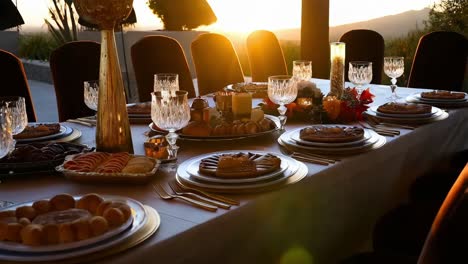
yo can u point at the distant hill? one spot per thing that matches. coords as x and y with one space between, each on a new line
389 26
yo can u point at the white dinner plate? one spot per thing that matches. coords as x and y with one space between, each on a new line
74 249
439 115
439 100
295 135
64 132
185 177
192 169
434 110
415 98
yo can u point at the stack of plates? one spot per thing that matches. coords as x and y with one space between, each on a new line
436 114
144 223
289 172
369 141
416 98
65 134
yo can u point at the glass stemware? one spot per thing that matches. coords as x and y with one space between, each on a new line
6 137
91 94
302 70
360 74
394 68
170 112
282 89
15 106
166 83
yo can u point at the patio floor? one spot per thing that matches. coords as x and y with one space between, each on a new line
43 96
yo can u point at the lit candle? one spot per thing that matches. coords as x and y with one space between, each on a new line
337 57
241 105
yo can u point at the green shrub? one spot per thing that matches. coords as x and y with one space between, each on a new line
37 46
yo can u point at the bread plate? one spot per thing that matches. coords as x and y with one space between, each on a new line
95 177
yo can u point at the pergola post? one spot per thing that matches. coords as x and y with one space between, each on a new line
315 36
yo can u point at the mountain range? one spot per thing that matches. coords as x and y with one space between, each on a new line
388 26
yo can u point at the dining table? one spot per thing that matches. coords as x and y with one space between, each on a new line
323 218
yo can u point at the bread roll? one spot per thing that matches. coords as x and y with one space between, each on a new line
41 206
51 234
13 232
114 216
66 234
9 213
32 235
102 207
82 229
26 211
98 225
24 221
197 128
89 202
62 202
3 230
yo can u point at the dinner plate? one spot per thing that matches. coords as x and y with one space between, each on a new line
374 141
439 115
192 169
295 135
184 177
414 98
64 132
136 223
418 96
434 110
229 137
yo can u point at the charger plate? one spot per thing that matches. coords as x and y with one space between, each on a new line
439 115
145 223
434 110
416 98
295 136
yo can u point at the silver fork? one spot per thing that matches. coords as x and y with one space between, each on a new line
384 132
166 196
216 197
178 191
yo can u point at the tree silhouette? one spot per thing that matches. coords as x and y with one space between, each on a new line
182 14
449 15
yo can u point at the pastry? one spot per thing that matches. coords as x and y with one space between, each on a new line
51 234
89 202
139 165
41 206
66 233
444 95
197 129
35 152
38 130
331 134
98 225
32 235
114 216
26 211
139 108
13 231
62 202
24 221
81 228
102 207
114 164
86 162
404 108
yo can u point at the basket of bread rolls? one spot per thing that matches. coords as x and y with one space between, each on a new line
106 167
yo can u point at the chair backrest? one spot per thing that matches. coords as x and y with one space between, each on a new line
71 65
159 54
440 61
14 81
265 56
365 45
216 63
431 249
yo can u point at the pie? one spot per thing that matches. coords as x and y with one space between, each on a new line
404 108
445 95
139 108
331 134
38 130
239 165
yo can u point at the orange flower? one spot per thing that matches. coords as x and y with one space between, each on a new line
332 105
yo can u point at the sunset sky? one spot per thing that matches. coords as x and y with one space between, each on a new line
247 15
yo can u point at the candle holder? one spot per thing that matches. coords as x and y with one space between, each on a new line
337 69
113 128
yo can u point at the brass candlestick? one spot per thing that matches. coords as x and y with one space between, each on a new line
113 128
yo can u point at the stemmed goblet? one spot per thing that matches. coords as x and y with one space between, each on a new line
15 114
6 137
282 89
170 112
166 83
302 70
360 74
91 94
394 68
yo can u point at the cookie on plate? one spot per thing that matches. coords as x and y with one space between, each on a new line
404 108
444 95
331 134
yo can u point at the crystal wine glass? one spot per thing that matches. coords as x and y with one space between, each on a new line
360 74
170 112
6 137
166 83
91 94
282 89
15 106
394 68
302 70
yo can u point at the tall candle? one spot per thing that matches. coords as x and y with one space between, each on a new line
241 105
337 57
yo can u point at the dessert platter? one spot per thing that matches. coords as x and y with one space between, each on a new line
38 157
257 89
407 112
440 98
335 140
35 132
119 167
65 226
240 171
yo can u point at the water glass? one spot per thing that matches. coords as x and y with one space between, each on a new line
15 106
282 89
91 94
360 74
166 83
394 68
6 137
302 70
170 112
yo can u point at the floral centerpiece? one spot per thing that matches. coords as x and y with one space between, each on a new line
312 105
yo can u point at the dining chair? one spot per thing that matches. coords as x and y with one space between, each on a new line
365 45
216 63
439 61
265 56
159 54
71 64
14 81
